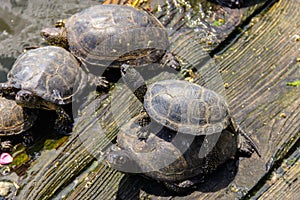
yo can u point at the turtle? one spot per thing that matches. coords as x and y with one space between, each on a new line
237 3
182 106
110 35
179 157
229 3
47 78
180 161
14 120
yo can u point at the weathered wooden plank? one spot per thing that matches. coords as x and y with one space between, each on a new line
259 97
256 69
284 181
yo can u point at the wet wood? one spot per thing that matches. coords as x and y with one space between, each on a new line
255 70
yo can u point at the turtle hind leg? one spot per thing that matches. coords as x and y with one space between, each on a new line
174 188
143 133
246 145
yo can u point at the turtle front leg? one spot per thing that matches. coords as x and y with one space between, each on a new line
171 61
6 145
98 81
64 122
27 138
144 121
27 99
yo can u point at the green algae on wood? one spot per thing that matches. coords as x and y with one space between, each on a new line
293 83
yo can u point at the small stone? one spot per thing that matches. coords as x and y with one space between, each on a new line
274 178
234 189
283 115
226 85
5 159
5 188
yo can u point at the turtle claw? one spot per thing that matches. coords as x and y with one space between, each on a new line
27 139
63 123
101 82
144 121
6 145
63 127
98 81
143 135
170 60
184 186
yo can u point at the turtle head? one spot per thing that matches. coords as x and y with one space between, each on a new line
9 88
27 99
122 161
56 36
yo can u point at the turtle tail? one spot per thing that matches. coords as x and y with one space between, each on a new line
247 144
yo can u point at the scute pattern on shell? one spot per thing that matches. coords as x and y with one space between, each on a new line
230 3
170 156
186 107
50 72
14 119
102 34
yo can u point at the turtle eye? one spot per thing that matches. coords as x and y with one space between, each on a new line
26 97
124 68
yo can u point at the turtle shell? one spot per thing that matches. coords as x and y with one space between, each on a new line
170 156
51 73
14 119
102 34
230 3
186 107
